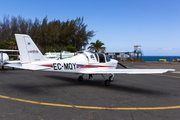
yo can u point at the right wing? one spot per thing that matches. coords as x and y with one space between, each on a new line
126 71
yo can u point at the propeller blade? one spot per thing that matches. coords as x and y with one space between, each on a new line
122 65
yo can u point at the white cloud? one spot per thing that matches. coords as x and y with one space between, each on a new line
167 49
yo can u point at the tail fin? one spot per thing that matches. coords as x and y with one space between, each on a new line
28 50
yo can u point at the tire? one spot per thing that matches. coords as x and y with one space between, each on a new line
107 83
80 78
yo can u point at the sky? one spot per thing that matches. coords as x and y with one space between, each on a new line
119 24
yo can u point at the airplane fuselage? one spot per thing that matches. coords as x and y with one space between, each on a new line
77 63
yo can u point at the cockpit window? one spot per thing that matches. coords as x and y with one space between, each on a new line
108 59
95 54
101 58
92 57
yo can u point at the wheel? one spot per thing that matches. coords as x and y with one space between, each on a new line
3 67
111 78
107 82
80 78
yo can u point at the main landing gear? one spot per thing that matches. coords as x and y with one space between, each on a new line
80 78
106 82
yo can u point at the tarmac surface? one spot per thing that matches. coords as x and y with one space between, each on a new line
27 95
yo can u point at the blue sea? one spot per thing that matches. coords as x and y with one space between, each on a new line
156 58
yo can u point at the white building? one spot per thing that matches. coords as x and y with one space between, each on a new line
121 55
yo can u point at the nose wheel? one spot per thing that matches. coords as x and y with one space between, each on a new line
107 82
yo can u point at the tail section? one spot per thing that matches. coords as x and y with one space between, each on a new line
28 50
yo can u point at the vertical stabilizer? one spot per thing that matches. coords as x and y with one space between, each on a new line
28 50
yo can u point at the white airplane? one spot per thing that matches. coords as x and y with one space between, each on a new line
85 63
4 58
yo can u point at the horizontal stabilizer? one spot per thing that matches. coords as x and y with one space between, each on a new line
5 50
13 62
27 66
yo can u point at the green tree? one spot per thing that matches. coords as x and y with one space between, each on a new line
35 33
11 43
48 36
97 46
14 26
3 45
70 48
81 36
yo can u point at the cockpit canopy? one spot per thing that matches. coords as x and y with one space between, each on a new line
94 57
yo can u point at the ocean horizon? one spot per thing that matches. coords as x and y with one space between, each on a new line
156 58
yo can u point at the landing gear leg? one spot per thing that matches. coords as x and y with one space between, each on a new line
111 78
80 78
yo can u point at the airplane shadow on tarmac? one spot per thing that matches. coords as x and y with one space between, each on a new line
99 83
34 88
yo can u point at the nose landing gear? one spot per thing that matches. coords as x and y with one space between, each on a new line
111 77
107 82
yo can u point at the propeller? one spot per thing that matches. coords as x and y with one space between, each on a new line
122 65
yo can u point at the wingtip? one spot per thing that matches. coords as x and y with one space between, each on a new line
171 70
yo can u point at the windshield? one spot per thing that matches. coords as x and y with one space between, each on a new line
107 58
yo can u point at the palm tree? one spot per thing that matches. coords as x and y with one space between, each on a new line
97 46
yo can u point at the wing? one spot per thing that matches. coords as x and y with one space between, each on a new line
127 71
92 70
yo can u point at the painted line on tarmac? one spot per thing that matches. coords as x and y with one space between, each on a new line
166 75
94 107
89 107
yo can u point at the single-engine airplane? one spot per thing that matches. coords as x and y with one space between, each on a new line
4 58
85 63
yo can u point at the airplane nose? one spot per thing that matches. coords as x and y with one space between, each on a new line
115 62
